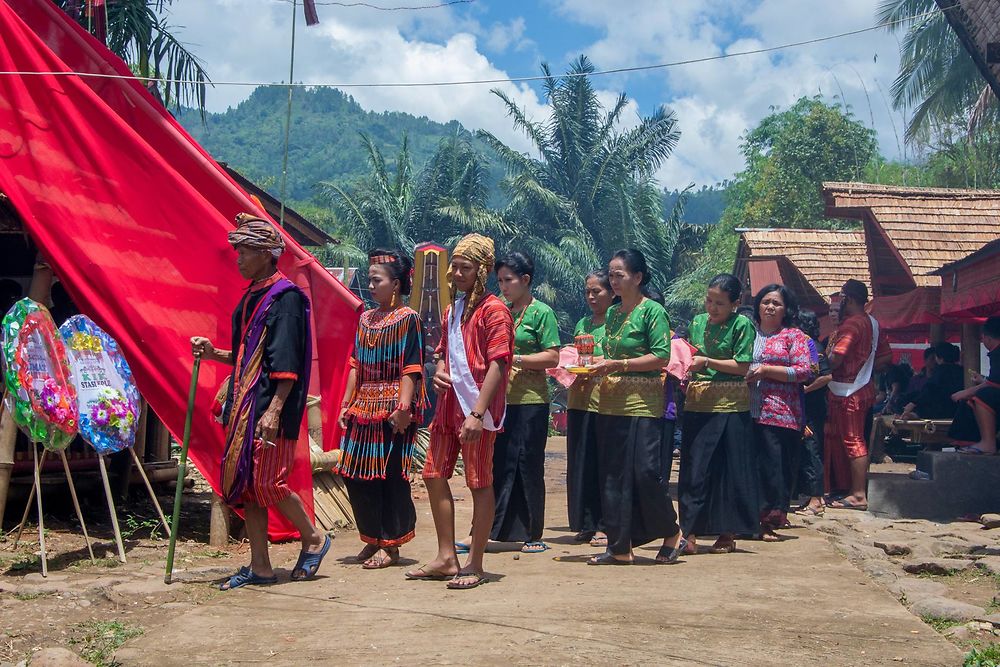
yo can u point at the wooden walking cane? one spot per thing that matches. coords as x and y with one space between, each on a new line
182 470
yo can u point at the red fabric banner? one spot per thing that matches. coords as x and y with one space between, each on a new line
132 215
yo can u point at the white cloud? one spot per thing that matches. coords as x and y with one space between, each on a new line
502 36
717 101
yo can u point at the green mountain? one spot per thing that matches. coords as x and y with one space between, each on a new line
324 143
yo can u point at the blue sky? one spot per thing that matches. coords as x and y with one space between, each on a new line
715 102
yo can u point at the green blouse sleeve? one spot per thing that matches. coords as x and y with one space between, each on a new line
744 333
658 331
547 329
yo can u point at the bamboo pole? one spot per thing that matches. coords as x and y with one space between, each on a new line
76 503
149 487
970 350
8 439
182 469
41 519
111 508
27 505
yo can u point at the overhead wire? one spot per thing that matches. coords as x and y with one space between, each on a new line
497 80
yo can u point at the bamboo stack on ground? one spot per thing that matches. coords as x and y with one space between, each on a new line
331 502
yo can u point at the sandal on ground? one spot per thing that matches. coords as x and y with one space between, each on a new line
583 536
245 577
309 561
424 573
770 536
377 562
670 555
809 510
607 558
973 450
535 547
601 541
723 546
471 580
366 553
461 548
844 505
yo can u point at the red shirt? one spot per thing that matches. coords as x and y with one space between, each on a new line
853 343
489 336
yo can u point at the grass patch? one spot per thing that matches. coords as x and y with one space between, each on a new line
134 525
24 562
86 563
940 624
100 639
27 597
983 656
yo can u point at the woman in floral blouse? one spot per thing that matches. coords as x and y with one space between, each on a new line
781 364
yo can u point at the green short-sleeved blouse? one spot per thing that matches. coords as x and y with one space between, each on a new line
535 330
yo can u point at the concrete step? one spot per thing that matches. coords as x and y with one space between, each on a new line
959 484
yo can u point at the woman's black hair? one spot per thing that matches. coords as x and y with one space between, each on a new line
791 317
400 268
809 324
601 275
517 263
729 284
653 295
635 262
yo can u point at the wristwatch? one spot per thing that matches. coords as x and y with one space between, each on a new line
477 415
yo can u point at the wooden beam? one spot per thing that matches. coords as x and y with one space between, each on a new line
218 531
970 350
936 333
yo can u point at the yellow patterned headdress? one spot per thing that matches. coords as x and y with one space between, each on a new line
479 249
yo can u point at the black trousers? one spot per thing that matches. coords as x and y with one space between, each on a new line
777 465
810 477
718 485
519 474
635 482
583 482
383 508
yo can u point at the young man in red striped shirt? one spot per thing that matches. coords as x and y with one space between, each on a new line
475 351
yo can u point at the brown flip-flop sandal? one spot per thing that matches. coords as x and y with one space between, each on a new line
477 580
723 547
422 573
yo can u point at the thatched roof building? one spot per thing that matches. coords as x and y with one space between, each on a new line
811 262
977 24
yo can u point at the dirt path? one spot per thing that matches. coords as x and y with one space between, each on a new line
793 603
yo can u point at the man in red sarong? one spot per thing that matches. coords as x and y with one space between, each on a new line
856 351
265 401
476 348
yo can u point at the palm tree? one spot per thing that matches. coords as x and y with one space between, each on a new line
137 32
937 76
393 207
590 190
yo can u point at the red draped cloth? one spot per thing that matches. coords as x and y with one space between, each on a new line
132 215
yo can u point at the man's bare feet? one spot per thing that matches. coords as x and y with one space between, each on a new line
436 570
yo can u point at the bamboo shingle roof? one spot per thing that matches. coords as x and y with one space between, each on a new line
824 258
977 24
912 232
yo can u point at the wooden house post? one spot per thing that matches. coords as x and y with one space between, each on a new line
970 350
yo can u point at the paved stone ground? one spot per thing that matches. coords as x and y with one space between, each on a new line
798 602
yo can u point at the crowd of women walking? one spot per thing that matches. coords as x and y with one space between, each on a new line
745 386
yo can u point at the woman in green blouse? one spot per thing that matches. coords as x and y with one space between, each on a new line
583 489
519 452
635 496
717 485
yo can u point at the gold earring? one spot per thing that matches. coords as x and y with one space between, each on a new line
392 304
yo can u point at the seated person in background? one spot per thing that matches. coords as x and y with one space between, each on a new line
918 381
974 428
894 383
933 401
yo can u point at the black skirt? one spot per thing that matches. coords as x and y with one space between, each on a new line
635 480
383 508
778 452
718 485
519 474
583 484
810 477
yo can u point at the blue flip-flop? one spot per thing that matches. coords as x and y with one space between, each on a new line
534 547
461 548
309 562
246 577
